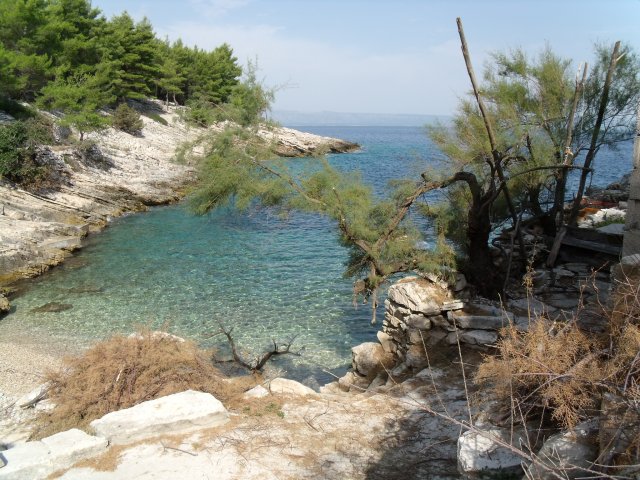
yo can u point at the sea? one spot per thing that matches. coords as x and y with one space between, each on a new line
266 276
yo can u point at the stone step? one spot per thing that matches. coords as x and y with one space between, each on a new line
40 459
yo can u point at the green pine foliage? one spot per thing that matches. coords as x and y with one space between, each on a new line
79 98
53 42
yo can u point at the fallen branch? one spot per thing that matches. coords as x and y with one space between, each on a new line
259 363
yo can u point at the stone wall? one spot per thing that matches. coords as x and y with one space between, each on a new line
420 314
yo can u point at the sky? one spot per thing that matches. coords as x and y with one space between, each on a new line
375 56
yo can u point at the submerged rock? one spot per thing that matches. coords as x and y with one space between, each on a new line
52 307
5 306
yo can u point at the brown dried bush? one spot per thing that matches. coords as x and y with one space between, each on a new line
558 369
553 367
124 371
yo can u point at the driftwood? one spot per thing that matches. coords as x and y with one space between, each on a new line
258 363
44 393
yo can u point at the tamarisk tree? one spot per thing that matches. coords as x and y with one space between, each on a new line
506 149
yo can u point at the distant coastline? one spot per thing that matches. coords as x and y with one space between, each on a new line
327 118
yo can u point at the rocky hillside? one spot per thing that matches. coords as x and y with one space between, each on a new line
120 173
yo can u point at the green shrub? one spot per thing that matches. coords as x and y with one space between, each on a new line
39 131
18 141
15 109
127 119
13 140
200 112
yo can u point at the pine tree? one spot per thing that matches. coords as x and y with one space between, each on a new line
78 98
132 51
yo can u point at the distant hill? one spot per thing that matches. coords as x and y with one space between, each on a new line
294 118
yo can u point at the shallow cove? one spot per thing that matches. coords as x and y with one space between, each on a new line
265 276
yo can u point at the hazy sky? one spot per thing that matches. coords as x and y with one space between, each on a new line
377 56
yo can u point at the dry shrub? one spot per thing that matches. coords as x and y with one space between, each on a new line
558 368
553 367
124 371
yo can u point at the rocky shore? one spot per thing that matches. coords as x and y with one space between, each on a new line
118 173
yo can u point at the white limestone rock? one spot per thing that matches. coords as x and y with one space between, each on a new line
32 398
570 451
289 387
418 321
481 322
369 358
418 295
473 337
41 458
178 413
386 340
478 452
256 392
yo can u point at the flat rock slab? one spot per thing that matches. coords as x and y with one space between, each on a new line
39 459
178 413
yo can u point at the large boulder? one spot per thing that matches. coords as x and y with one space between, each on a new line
370 358
178 413
568 454
419 295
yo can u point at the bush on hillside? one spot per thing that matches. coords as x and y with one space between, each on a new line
16 109
18 142
124 371
127 119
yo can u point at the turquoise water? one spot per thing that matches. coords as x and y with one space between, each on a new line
267 277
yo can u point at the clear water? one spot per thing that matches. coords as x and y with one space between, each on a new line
265 276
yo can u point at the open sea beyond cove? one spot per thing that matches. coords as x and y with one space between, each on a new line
265 276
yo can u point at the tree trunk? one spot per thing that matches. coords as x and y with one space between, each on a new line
604 99
498 157
481 270
561 176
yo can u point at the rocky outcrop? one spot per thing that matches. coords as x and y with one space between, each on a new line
423 315
118 173
292 143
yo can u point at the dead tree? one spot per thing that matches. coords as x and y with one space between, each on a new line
258 363
593 148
